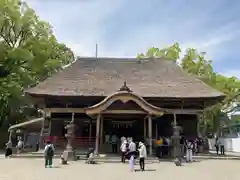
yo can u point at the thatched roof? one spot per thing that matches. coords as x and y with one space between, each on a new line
104 76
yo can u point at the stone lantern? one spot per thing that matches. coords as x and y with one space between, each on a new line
176 141
70 135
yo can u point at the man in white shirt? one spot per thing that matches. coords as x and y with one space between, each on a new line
142 155
123 149
132 145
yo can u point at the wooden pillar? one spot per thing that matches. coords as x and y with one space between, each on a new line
25 137
198 125
144 128
174 119
44 132
101 132
156 131
97 132
41 144
73 114
90 130
10 136
150 134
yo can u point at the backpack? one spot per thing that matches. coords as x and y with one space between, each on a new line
50 151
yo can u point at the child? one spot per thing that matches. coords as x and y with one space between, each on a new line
90 156
63 160
48 153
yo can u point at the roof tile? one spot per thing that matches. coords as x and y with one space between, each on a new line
104 76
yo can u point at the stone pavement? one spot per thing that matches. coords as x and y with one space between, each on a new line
33 169
237 154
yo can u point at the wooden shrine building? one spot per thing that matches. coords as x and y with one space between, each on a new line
140 98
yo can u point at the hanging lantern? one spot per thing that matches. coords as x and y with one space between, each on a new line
19 131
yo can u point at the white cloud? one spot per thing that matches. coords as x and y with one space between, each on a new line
232 72
83 23
77 24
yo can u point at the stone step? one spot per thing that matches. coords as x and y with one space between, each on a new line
111 158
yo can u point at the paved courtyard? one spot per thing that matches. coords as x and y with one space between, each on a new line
32 169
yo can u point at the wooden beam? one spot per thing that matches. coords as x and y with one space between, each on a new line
183 111
66 110
81 110
124 112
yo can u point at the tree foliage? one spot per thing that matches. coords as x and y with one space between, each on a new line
195 63
29 52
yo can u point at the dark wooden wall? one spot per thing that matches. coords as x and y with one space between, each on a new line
81 102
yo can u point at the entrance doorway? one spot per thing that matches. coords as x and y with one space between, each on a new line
125 126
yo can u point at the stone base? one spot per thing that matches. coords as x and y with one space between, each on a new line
176 146
69 155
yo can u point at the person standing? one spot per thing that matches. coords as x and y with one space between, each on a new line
142 155
48 154
123 138
221 145
189 152
8 151
107 138
114 143
217 145
20 145
123 149
132 154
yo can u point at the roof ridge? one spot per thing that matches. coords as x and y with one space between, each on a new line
120 58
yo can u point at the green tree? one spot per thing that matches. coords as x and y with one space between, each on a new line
195 63
29 53
171 52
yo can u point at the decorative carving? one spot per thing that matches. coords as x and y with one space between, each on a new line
125 87
124 97
124 101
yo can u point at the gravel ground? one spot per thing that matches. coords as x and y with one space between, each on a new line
33 169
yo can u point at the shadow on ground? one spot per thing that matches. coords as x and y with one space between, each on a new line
146 170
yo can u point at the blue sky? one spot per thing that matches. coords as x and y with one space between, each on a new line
123 28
